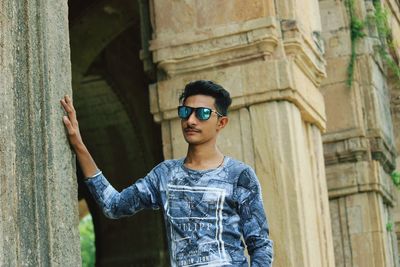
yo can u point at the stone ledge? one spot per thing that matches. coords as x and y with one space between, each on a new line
384 153
359 148
189 37
357 177
353 149
225 45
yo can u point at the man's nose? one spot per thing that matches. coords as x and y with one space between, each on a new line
192 118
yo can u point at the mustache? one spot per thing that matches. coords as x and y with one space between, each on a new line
192 129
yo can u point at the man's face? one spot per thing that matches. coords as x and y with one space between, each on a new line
196 131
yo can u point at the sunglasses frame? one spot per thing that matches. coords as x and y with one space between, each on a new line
191 109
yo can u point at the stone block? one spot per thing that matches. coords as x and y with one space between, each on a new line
336 70
211 13
200 15
169 17
355 177
334 15
344 107
337 43
341 241
359 229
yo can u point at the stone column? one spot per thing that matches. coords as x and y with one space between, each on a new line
359 145
38 190
269 56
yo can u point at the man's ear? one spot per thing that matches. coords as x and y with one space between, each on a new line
222 122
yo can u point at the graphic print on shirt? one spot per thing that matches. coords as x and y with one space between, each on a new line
195 214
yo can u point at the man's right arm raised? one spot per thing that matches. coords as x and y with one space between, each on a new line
141 194
85 160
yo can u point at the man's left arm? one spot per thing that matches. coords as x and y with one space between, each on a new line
253 220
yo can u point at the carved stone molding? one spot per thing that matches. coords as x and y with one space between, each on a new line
224 45
360 148
384 153
306 51
359 164
348 150
358 177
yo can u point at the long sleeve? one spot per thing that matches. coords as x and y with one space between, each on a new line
253 220
140 195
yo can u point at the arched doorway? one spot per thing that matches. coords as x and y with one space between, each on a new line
112 102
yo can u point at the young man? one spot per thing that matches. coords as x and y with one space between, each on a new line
210 201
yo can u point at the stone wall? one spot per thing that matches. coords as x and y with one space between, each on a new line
38 190
359 144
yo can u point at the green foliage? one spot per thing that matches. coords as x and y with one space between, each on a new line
389 226
385 36
396 178
357 26
87 241
356 33
380 19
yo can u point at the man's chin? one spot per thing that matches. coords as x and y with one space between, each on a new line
192 141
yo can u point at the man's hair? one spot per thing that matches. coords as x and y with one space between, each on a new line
203 87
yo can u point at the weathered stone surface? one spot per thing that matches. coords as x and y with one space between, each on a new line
359 143
223 45
360 229
295 194
39 213
198 15
348 102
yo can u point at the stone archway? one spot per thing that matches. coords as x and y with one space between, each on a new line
111 98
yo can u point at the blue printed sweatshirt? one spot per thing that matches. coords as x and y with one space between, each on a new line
207 212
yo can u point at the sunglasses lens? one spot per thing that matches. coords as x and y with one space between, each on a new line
203 113
184 112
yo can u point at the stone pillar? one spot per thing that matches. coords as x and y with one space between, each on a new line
269 56
38 190
358 145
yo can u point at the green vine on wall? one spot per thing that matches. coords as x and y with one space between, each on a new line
396 178
389 226
357 27
356 33
380 19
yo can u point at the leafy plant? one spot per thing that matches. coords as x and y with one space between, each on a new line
385 35
88 251
356 33
389 226
396 178
357 26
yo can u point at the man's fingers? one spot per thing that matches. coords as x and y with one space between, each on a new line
66 102
67 122
68 99
70 128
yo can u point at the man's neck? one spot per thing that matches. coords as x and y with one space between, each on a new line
203 157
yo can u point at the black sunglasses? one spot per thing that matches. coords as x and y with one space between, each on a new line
201 113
